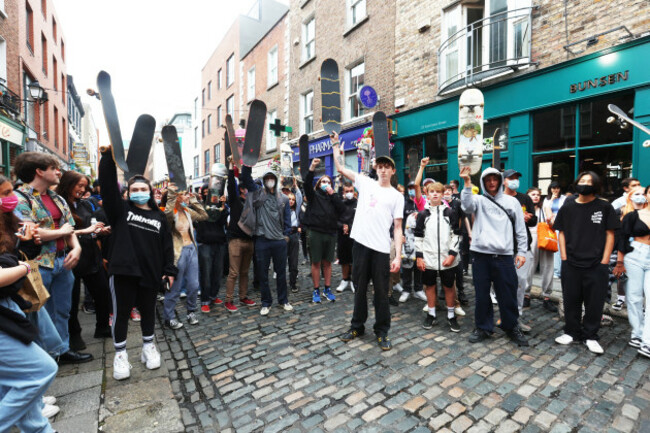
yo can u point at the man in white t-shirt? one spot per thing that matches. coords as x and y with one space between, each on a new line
379 207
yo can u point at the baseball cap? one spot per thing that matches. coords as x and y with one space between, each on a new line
427 181
383 158
511 172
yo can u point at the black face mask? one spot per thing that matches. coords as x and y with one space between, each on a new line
585 189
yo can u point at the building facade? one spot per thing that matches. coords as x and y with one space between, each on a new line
547 70
90 138
78 149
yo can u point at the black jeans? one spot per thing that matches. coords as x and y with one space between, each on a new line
370 265
128 293
265 250
500 270
588 286
292 256
97 284
211 260
412 278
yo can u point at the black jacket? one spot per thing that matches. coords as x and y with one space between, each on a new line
323 210
236 205
527 205
141 244
212 230
91 255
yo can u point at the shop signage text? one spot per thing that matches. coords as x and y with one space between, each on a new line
11 134
603 81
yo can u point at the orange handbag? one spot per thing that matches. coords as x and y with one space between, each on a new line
546 236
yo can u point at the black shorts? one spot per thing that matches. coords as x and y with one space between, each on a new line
344 246
447 277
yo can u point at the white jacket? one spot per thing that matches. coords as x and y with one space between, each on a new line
436 236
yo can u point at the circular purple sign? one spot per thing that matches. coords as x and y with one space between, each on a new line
368 96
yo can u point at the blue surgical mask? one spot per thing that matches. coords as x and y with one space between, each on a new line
513 184
141 197
639 199
184 204
324 186
411 193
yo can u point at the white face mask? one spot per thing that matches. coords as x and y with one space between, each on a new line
639 199
270 183
349 195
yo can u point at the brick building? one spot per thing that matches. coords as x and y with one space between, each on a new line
547 70
42 58
222 74
360 36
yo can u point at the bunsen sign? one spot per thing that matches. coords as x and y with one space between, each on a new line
603 81
323 146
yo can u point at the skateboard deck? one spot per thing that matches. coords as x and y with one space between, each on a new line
470 130
112 121
254 133
232 138
140 146
174 158
330 97
303 152
496 151
625 118
380 132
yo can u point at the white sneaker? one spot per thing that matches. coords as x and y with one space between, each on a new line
459 311
594 347
342 286
265 311
49 399
287 307
564 339
49 410
426 308
420 295
275 276
150 356
352 286
121 366
398 288
404 296
493 296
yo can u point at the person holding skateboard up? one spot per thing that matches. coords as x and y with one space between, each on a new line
379 206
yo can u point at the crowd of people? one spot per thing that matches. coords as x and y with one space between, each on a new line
135 244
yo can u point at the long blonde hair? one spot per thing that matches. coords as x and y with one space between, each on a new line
629 204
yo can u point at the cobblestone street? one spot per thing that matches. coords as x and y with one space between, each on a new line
289 372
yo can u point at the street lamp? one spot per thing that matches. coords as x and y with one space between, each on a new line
35 91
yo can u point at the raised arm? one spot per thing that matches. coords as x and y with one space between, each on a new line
418 178
467 199
338 160
113 204
246 178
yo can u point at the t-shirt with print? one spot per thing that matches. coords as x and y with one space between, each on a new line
377 207
56 213
585 228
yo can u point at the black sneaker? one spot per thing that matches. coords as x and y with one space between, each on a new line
550 306
517 336
350 335
392 301
478 335
384 343
453 324
429 321
526 302
294 289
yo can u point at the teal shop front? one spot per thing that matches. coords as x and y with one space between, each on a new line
552 123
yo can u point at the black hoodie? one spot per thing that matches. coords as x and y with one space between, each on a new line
323 210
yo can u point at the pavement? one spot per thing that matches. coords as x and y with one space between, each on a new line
288 371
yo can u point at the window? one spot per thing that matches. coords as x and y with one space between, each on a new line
64 142
250 93
449 64
219 79
203 98
196 167
230 106
3 59
56 127
55 73
209 90
219 116
62 50
209 124
217 152
309 39
273 66
54 30
355 78
44 52
30 107
271 141
230 70
356 11
203 128
196 137
46 119
29 26
307 112
196 108
63 88
206 162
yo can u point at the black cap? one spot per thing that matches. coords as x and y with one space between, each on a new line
554 184
411 184
511 172
384 158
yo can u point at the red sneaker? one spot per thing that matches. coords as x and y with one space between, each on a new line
230 307
205 308
217 301
135 315
247 302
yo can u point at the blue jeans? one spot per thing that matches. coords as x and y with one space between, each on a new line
26 372
59 282
48 337
265 250
211 257
637 266
188 271
500 270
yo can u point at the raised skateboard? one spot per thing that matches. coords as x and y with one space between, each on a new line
470 130
140 146
112 121
303 152
330 97
625 118
254 133
232 138
380 133
496 151
174 158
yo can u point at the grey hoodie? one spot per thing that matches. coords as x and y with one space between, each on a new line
492 231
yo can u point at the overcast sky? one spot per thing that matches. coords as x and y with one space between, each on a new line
153 49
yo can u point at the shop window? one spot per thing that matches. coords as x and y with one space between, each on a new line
555 167
594 129
435 147
612 164
436 172
554 129
413 155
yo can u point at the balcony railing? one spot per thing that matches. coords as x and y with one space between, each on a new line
9 100
485 48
